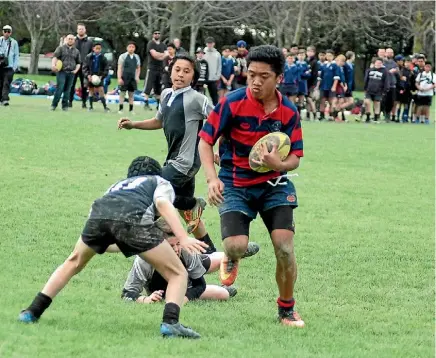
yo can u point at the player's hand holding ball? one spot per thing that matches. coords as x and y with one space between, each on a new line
125 123
270 159
215 190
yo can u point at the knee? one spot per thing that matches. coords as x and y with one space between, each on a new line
223 295
75 262
284 248
236 245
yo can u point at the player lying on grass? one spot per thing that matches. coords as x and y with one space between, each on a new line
96 64
144 276
124 219
242 118
181 114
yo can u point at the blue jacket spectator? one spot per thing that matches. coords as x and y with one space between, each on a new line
9 57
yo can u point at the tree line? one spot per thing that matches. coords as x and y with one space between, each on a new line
363 26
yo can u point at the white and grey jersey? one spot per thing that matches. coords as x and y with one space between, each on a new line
182 113
133 200
141 274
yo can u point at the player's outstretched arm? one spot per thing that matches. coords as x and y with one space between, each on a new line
147 124
169 213
215 186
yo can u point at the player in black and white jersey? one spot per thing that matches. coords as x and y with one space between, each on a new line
180 115
125 219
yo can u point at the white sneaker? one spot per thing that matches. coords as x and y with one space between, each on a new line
120 112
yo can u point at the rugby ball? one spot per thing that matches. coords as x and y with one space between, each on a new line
281 140
59 65
95 80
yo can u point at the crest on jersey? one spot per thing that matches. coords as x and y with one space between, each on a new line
276 126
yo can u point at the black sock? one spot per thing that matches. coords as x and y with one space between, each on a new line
121 107
393 117
39 304
146 103
207 240
157 102
90 101
376 117
321 115
103 100
130 107
335 114
184 202
368 116
343 116
171 313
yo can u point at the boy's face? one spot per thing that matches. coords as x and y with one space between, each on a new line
262 80
427 68
175 244
294 50
226 52
407 63
329 57
340 62
378 64
321 57
310 53
301 57
290 59
131 48
420 62
400 63
97 49
171 50
200 55
285 51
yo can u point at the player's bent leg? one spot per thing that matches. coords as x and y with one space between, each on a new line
214 292
167 263
81 255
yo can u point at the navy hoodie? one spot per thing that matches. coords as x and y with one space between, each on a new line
376 81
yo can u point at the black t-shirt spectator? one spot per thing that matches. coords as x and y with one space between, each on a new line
153 64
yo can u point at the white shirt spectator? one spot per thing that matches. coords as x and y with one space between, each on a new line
426 80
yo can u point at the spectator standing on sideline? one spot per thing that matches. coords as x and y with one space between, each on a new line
84 45
166 75
241 58
156 54
129 67
179 49
213 59
70 57
204 70
392 68
9 57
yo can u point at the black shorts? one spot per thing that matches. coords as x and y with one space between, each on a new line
288 89
348 94
374 97
129 85
153 82
403 97
183 185
328 94
423 100
205 261
235 223
131 238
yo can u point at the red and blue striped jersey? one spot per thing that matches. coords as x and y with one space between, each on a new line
241 121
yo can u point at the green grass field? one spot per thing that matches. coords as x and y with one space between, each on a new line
364 243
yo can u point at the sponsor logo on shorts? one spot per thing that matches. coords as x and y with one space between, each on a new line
291 198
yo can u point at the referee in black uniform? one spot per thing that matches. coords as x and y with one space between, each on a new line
156 54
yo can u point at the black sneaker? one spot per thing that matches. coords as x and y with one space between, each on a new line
90 109
5 103
231 290
107 110
70 105
52 109
84 106
65 109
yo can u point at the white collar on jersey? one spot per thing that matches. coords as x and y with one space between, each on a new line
174 94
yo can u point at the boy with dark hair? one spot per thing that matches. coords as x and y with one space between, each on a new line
304 74
95 65
328 81
123 220
241 78
227 72
129 67
311 82
349 80
294 50
291 77
321 58
425 84
418 68
402 97
242 118
376 85
204 70
166 76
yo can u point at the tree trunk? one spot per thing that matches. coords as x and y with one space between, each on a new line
297 33
37 41
175 28
193 39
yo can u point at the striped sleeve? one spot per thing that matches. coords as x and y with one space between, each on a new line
295 133
217 122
